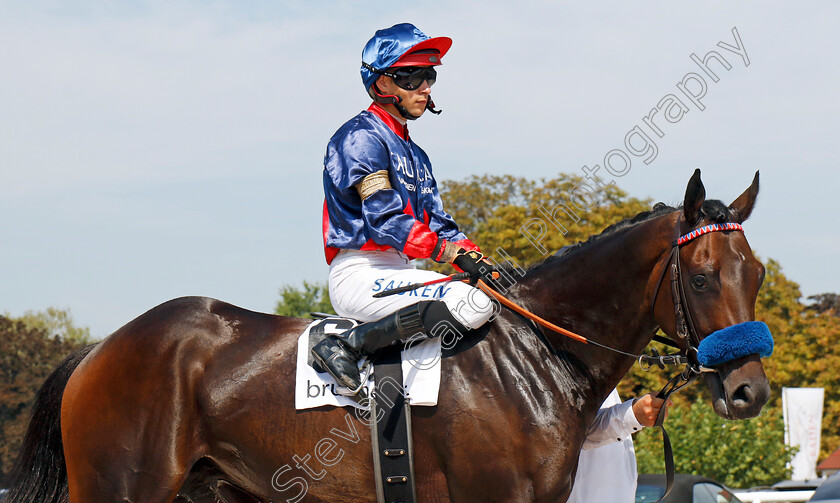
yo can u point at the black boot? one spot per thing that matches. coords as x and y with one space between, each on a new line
339 354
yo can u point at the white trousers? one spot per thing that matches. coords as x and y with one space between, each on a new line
356 275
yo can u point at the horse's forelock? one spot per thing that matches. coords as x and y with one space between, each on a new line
717 212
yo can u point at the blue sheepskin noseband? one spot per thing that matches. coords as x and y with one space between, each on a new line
734 342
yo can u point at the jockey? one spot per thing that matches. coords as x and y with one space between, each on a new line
382 209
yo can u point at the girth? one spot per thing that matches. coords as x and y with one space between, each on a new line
390 431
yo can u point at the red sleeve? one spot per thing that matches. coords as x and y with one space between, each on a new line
421 241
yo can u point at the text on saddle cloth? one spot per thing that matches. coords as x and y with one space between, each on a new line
421 362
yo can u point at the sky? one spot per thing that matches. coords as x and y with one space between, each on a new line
155 149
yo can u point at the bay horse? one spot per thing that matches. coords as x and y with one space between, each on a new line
196 396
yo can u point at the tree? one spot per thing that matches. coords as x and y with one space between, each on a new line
300 302
510 213
825 302
738 453
29 355
492 211
822 331
56 322
805 355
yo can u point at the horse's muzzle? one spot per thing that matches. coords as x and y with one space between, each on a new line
739 388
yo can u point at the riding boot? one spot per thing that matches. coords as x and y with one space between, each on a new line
339 354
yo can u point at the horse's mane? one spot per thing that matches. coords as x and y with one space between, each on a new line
712 210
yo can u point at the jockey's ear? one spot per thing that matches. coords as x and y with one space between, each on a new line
743 206
695 194
385 84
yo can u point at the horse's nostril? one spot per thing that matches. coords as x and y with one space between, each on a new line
743 396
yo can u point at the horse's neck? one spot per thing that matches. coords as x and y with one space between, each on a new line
601 291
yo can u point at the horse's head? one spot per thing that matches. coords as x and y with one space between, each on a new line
717 282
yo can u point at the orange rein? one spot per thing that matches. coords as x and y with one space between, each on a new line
528 314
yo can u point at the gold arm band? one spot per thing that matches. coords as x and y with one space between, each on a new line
373 182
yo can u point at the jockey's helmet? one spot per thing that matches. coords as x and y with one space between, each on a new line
401 45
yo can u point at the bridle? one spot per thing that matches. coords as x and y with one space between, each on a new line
682 312
685 330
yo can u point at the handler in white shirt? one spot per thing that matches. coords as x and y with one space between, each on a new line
607 466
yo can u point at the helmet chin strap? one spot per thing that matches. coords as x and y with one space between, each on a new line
430 106
390 99
401 109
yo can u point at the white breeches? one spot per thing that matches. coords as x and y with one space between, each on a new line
356 275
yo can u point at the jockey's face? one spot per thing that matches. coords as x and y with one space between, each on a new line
413 101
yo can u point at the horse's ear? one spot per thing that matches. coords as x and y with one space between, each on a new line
743 206
695 194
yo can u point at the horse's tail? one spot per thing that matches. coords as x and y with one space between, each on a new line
39 474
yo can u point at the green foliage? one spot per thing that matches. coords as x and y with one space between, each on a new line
29 355
738 453
805 355
299 302
825 302
491 210
58 323
806 352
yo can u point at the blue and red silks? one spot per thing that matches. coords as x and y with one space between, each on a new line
408 217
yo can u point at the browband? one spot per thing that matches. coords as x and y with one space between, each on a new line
696 233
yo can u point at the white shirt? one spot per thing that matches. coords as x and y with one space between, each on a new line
607 467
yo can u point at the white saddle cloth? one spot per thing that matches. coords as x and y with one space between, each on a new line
420 366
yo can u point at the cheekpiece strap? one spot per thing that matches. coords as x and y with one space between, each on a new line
696 233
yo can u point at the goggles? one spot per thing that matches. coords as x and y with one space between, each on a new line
409 78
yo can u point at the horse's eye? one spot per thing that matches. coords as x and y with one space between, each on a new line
698 282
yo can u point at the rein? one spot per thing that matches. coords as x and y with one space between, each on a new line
682 311
659 360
